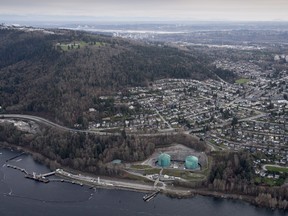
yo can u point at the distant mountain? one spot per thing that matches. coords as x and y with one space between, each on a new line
61 73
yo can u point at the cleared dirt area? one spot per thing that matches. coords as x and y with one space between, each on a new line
178 153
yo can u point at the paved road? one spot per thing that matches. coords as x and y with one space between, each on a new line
250 144
213 148
60 127
51 124
263 133
163 119
228 122
253 117
272 165
114 183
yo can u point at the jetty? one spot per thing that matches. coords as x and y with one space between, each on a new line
33 176
18 168
38 178
47 174
148 197
15 157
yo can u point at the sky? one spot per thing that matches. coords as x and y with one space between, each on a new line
125 10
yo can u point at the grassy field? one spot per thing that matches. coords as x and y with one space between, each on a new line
242 81
139 166
78 45
185 174
152 171
277 169
266 181
270 182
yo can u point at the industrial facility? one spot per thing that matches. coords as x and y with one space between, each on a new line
191 162
164 160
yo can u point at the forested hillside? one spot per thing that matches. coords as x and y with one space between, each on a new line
90 152
62 74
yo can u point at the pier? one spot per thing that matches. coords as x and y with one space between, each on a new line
149 197
33 176
37 178
40 177
47 174
81 180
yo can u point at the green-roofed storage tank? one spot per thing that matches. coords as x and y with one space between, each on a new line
191 162
164 160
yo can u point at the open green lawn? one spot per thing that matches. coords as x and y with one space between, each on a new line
242 81
277 169
152 171
270 182
140 166
78 45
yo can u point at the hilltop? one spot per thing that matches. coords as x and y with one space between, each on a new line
61 73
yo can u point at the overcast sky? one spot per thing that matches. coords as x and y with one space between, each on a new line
188 10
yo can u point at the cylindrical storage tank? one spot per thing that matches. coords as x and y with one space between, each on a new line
164 160
191 162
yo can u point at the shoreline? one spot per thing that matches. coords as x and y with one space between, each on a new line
175 192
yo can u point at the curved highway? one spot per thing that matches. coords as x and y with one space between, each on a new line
52 124
264 167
